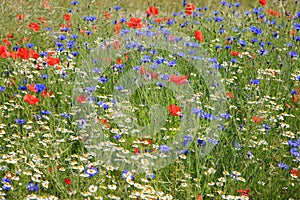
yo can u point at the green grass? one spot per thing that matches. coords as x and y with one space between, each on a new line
50 149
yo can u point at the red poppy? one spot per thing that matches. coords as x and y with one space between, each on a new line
104 121
257 119
34 26
174 110
136 151
43 19
107 15
117 44
235 53
6 42
179 80
263 2
199 197
273 12
158 20
119 61
31 87
10 35
20 17
3 52
31 99
189 8
33 54
67 17
52 61
144 71
292 32
81 99
152 10
244 192
146 141
289 106
199 36
45 4
171 38
23 53
46 93
117 28
134 23
295 172
230 95
68 181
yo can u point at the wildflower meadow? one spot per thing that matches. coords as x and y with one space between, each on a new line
150 100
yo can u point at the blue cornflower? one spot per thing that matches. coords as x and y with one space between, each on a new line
164 149
225 115
2 88
293 54
237 4
196 111
255 81
71 44
45 112
263 52
295 152
214 141
30 45
266 126
39 87
147 58
187 139
75 53
103 80
283 166
164 76
242 43
297 26
59 44
293 143
117 8
66 115
237 146
216 12
117 136
22 87
32 187
276 35
21 121
171 63
6 180
92 171
119 88
218 19
62 37
6 186
256 30
15 48
234 60
254 40
249 155
159 84
88 32
74 2
201 142
73 36
151 176
44 76
105 106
